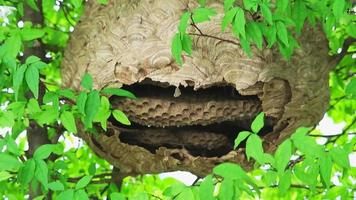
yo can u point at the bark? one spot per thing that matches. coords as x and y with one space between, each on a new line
128 42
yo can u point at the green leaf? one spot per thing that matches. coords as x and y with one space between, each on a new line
299 14
32 59
340 157
117 196
33 5
68 121
103 113
33 107
226 189
230 170
203 14
284 182
5 175
66 195
87 81
67 93
183 24
187 44
118 92
83 182
350 89
177 48
238 26
283 155
251 4
174 189
270 177
228 4
27 172
206 188
18 79
241 137
202 2
325 168
282 5
29 34
266 13
41 172
121 117
56 186
9 162
81 100
271 35
255 33
228 18
7 119
254 148
185 194
33 78
282 33
245 44
338 8
81 195
91 107
44 151
258 123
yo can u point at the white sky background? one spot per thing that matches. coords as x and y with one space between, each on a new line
326 126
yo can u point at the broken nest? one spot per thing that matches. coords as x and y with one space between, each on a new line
186 118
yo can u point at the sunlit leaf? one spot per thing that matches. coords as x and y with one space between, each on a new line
121 117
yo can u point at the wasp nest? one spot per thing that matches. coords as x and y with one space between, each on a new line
186 118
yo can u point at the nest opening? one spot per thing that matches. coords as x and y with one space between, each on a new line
204 121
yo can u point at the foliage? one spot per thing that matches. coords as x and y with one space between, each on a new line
30 94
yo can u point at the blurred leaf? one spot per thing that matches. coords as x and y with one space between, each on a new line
66 195
33 78
29 34
44 151
91 107
254 148
266 12
227 189
83 182
118 92
206 188
284 182
258 123
187 44
121 117
117 196
282 33
340 157
203 14
325 169
17 79
81 195
183 24
283 155
27 172
68 121
177 48
56 186
9 162
87 81
241 137
41 172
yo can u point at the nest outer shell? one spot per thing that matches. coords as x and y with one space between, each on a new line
126 42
